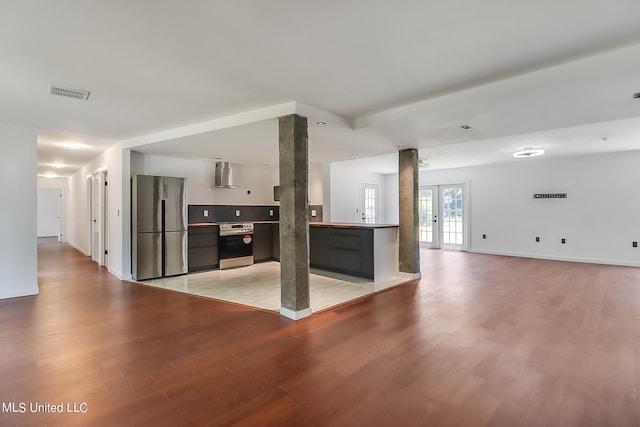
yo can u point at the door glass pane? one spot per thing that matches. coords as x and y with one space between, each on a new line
425 215
452 220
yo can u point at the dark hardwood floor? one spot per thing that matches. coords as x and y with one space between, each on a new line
480 341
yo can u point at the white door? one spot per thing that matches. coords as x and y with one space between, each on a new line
96 224
369 203
428 216
452 217
48 212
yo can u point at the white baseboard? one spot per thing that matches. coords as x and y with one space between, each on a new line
295 315
78 248
558 258
17 293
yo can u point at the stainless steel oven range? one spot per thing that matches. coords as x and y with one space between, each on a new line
235 245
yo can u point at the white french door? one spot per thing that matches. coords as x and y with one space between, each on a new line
428 216
442 216
369 204
452 217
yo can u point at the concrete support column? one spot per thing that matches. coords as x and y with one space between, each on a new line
294 217
409 244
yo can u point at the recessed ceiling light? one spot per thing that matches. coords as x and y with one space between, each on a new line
50 176
528 152
353 154
74 146
401 146
604 138
465 127
264 164
321 123
57 165
423 164
636 95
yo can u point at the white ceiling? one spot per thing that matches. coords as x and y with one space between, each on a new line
398 73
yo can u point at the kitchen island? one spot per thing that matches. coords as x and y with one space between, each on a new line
363 250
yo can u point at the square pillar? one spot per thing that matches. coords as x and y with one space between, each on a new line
294 217
409 244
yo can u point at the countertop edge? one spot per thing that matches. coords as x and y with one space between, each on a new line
311 224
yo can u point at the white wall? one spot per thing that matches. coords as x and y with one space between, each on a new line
18 245
260 180
392 199
599 218
346 180
78 208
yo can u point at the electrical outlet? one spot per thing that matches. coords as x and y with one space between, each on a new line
205 213
237 212
635 244
270 212
563 241
537 239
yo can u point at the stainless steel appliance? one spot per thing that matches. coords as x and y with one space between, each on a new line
235 245
159 221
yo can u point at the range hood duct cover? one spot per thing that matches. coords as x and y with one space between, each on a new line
224 176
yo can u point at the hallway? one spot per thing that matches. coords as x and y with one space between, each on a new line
480 341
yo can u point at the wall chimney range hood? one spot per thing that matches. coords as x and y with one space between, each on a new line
223 177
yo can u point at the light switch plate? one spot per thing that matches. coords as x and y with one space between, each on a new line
313 212
205 213
237 212
270 212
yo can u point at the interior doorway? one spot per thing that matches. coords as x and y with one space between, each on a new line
442 220
48 212
98 215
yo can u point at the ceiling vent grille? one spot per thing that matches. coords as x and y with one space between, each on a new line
69 93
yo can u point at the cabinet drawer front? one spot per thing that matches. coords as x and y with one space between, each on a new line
202 240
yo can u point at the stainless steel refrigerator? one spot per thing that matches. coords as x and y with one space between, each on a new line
159 226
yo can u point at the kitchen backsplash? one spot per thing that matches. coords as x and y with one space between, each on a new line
225 213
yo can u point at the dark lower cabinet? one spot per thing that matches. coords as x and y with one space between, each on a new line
343 250
203 248
275 244
262 242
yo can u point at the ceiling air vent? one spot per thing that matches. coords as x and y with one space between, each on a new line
69 93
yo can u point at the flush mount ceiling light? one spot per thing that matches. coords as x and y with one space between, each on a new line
321 123
57 165
423 164
528 152
465 127
69 92
49 176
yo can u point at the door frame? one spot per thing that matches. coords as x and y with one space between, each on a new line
100 216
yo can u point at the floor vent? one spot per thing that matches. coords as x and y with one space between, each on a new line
69 93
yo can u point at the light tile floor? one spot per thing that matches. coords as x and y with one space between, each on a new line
258 285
